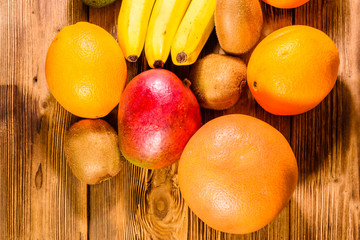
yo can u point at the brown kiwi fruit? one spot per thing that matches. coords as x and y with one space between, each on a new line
98 3
238 24
216 80
92 151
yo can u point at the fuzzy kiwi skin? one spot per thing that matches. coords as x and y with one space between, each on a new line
98 3
92 151
216 79
238 24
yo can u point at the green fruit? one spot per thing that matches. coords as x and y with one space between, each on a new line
92 151
98 3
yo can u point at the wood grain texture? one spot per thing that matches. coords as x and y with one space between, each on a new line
103 204
326 139
41 199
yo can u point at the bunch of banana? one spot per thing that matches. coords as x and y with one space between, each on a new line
179 26
132 26
193 32
164 21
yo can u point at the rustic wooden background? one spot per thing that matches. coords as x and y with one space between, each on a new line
41 199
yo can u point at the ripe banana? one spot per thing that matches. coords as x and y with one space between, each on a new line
132 26
164 21
193 32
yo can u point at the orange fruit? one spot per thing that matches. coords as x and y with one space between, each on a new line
237 173
293 69
286 3
85 70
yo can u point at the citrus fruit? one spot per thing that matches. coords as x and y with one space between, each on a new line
237 173
85 70
293 69
286 3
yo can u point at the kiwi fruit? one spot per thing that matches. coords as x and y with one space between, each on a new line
238 24
92 151
97 3
216 80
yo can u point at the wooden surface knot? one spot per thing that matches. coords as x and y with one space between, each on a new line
39 178
162 212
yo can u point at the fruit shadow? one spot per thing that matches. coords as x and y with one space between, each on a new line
320 136
321 142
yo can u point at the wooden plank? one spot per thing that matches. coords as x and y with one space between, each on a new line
102 197
104 203
326 139
40 198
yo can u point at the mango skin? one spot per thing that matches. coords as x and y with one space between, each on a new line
157 116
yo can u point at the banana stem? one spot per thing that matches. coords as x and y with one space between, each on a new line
181 57
132 58
158 64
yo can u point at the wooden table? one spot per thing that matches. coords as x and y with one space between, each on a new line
41 199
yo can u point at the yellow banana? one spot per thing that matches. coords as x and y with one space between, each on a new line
164 22
193 32
133 22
